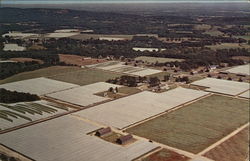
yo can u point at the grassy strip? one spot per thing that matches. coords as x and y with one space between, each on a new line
43 108
8 113
35 110
59 106
5 118
13 108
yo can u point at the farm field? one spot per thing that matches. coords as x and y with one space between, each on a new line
45 72
71 142
39 86
198 125
26 60
19 35
85 76
242 69
127 69
132 109
222 86
79 60
165 155
156 59
101 36
214 31
60 35
12 115
159 75
235 148
13 47
84 95
244 58
228 46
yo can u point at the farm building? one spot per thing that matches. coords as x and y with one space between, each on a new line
83 95
222 86
39 86
103 131
147 49
135 108
67 139
124 139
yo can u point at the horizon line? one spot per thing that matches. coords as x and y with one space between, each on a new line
25 2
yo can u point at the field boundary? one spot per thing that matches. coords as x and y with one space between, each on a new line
223 139
165 112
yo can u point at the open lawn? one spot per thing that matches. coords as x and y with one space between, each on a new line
157 59
196 126
235 148
86 76
45 72
165 155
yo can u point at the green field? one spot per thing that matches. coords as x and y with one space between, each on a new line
45 72
157 59
196 126
159 75
214 31
85 76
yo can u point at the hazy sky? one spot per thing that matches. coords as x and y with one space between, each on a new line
107 1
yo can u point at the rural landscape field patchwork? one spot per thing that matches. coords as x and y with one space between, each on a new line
124 81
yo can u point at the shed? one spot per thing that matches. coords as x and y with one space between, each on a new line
223 72
124 139
103 131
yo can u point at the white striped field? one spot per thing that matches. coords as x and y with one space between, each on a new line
38 86
65 139
222 86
